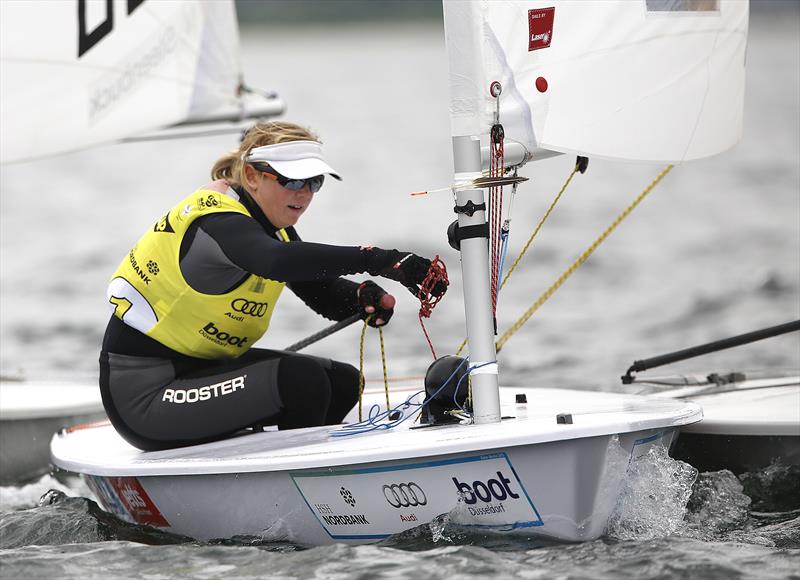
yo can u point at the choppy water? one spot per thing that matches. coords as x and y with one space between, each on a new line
720 533
713 252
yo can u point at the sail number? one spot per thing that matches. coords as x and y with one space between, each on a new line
87 39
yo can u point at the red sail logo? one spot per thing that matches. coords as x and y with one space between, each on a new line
540 28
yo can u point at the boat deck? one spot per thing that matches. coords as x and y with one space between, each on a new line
99 450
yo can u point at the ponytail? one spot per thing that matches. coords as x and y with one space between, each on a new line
223 167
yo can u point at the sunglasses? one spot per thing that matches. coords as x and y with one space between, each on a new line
314 183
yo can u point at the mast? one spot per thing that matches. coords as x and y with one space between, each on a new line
474 242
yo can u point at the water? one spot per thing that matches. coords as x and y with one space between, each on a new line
713 252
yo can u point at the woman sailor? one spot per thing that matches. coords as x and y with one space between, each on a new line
198 289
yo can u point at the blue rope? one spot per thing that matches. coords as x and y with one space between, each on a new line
458 386
503 250
371 422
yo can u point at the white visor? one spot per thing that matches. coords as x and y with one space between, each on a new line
293 159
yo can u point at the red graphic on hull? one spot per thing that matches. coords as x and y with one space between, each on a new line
138 504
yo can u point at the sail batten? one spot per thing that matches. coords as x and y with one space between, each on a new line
633 80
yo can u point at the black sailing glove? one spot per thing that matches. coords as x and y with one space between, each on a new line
375 301
404 267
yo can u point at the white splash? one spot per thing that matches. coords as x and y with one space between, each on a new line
652 502
438 527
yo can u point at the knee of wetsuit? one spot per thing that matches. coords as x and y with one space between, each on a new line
304 384
345 382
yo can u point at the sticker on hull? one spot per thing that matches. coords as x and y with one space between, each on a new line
126 498
107 496
377 502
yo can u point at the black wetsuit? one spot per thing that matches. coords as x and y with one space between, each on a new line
290 390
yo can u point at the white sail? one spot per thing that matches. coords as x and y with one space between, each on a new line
645 80
83 72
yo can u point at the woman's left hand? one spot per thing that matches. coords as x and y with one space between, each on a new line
376 302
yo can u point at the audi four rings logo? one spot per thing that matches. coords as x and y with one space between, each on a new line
404 495
257 309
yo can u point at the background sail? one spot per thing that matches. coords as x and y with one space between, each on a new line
78 73
647 80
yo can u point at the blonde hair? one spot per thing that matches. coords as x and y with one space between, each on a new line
231 165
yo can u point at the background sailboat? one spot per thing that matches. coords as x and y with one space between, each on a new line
80 74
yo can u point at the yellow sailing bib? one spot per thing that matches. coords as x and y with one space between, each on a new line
149 293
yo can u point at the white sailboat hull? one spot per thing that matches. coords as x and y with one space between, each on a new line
30 412
525 475
747 424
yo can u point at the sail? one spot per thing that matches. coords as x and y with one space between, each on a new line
643 80
75 73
